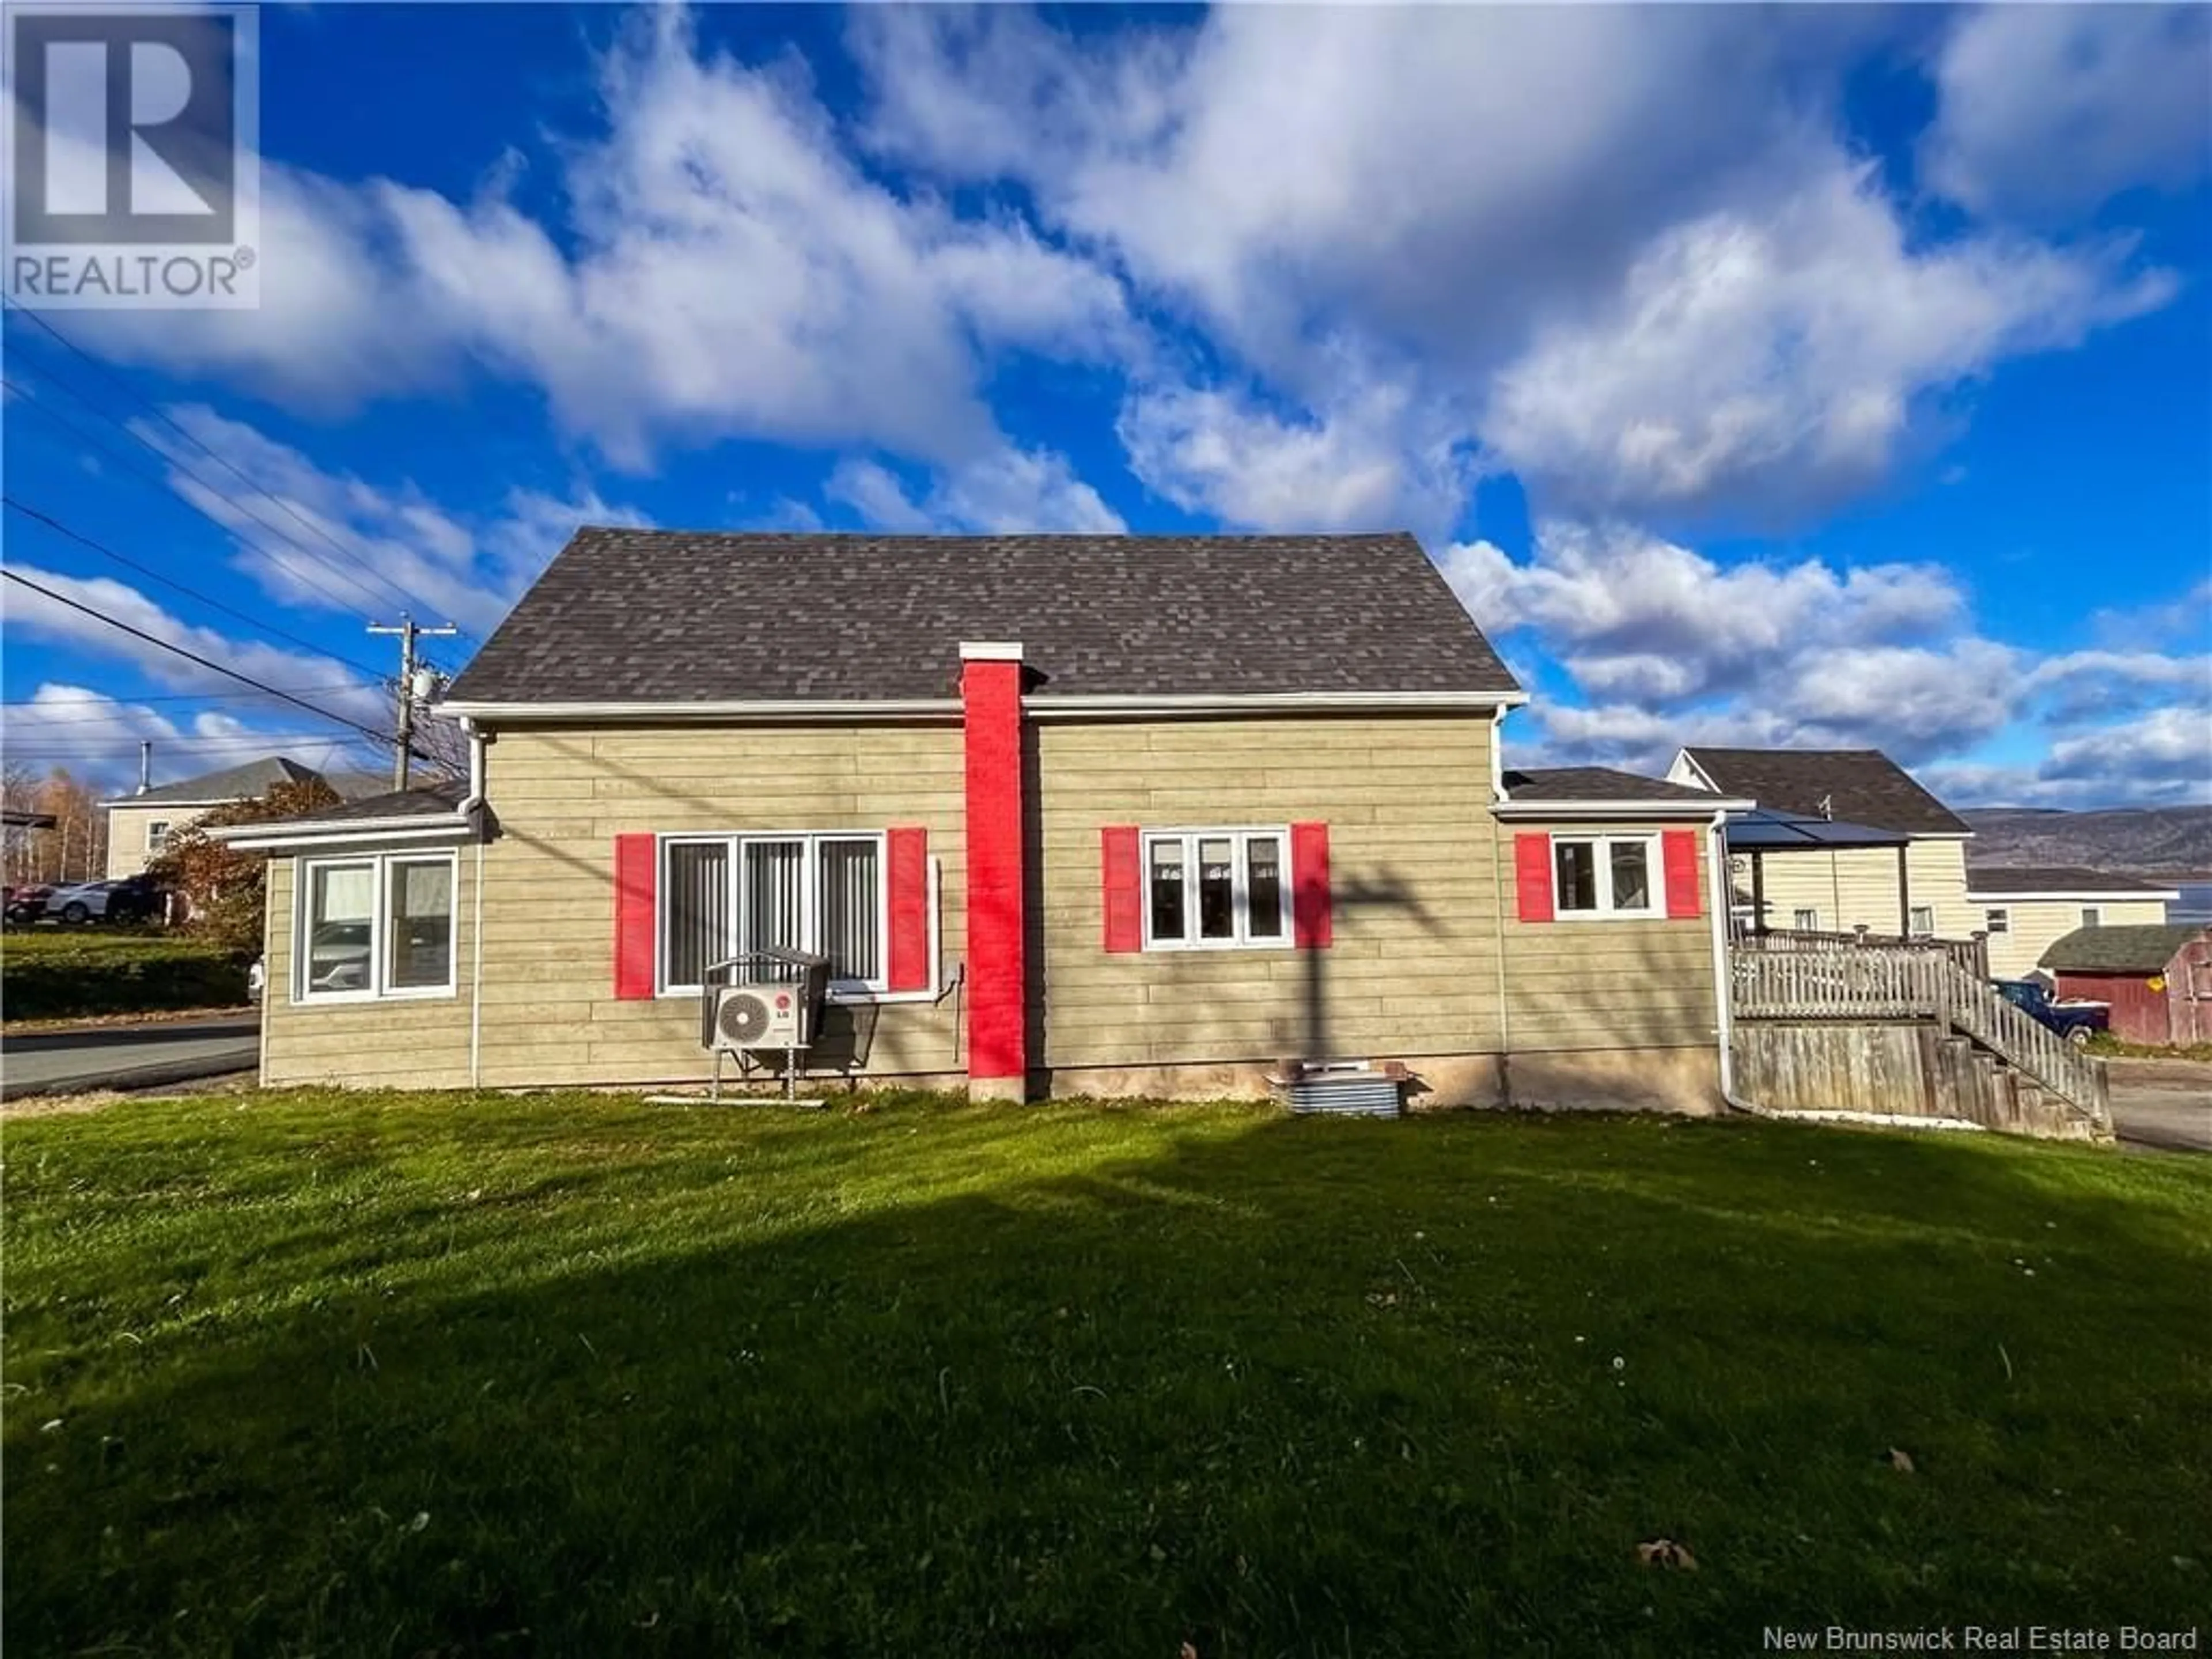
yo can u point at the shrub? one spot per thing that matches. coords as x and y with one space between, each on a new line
73 975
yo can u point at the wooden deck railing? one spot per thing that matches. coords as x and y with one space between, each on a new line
1972 956
1772 981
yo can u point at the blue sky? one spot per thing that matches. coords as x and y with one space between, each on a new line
1817 376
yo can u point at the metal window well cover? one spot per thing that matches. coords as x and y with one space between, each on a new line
1342 1089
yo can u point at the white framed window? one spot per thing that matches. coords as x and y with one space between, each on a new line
1998 920
2093 915
1605 875
1216 890
157 835
1923 921
375 925
1805 921
826 891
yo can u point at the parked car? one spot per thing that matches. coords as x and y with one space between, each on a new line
133 898
28 902
2077 1022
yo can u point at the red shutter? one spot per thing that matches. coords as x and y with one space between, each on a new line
1531 876
1680 850
636 861
908 966
1123 880
1311 926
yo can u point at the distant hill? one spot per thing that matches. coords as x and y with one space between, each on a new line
2162 841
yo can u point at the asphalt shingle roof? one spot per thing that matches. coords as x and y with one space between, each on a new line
1593 783
437 799
2054 878
249 780
1860 786
642 615
2118 950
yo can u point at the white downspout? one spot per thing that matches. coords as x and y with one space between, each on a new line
1722 902
472 804
1497 903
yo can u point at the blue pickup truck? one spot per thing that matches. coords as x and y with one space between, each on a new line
2077 1022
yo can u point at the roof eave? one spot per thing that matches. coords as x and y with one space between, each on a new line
1042 706
278 837
1523 808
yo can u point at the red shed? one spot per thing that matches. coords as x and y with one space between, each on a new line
2157 980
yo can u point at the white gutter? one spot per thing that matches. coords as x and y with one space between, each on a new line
1040 706
2130 896
343 834
686 713
1522 807
1045 706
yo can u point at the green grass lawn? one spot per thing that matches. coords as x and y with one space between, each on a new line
299 1373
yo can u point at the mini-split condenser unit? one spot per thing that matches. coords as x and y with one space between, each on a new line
751 1018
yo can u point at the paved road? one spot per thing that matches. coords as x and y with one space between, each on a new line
129 1056
2163 1103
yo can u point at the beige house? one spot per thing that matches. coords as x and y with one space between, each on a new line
1919 888
2025 911
1067 815
139 826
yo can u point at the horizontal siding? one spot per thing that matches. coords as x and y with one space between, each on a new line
1858 887
1411 847
1419 867
414 1043
549 1013
1594 985
2035 928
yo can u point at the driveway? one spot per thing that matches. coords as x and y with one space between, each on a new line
128 1056
2165 1104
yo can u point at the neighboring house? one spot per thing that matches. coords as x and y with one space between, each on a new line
2156 979
1838 890
139 826
2025 911
1070 815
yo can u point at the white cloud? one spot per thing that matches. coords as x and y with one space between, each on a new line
2080 685
1702 303
2169 746
1780 358
360 699
1433 169
724 269
327 540
97 737
1632 615
1372 460
1007 493
2045 111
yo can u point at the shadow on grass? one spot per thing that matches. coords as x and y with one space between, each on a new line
1101 1382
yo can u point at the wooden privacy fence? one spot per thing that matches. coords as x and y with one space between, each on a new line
1871 983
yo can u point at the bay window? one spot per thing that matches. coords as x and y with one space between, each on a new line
724 895
1215 889
1596 875
375 925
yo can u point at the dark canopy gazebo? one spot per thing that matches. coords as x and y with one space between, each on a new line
1765 830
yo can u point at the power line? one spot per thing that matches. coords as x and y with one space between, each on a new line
175 696
195 656
224 461
169 490
148 571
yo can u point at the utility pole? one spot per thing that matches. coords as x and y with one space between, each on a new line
408 631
